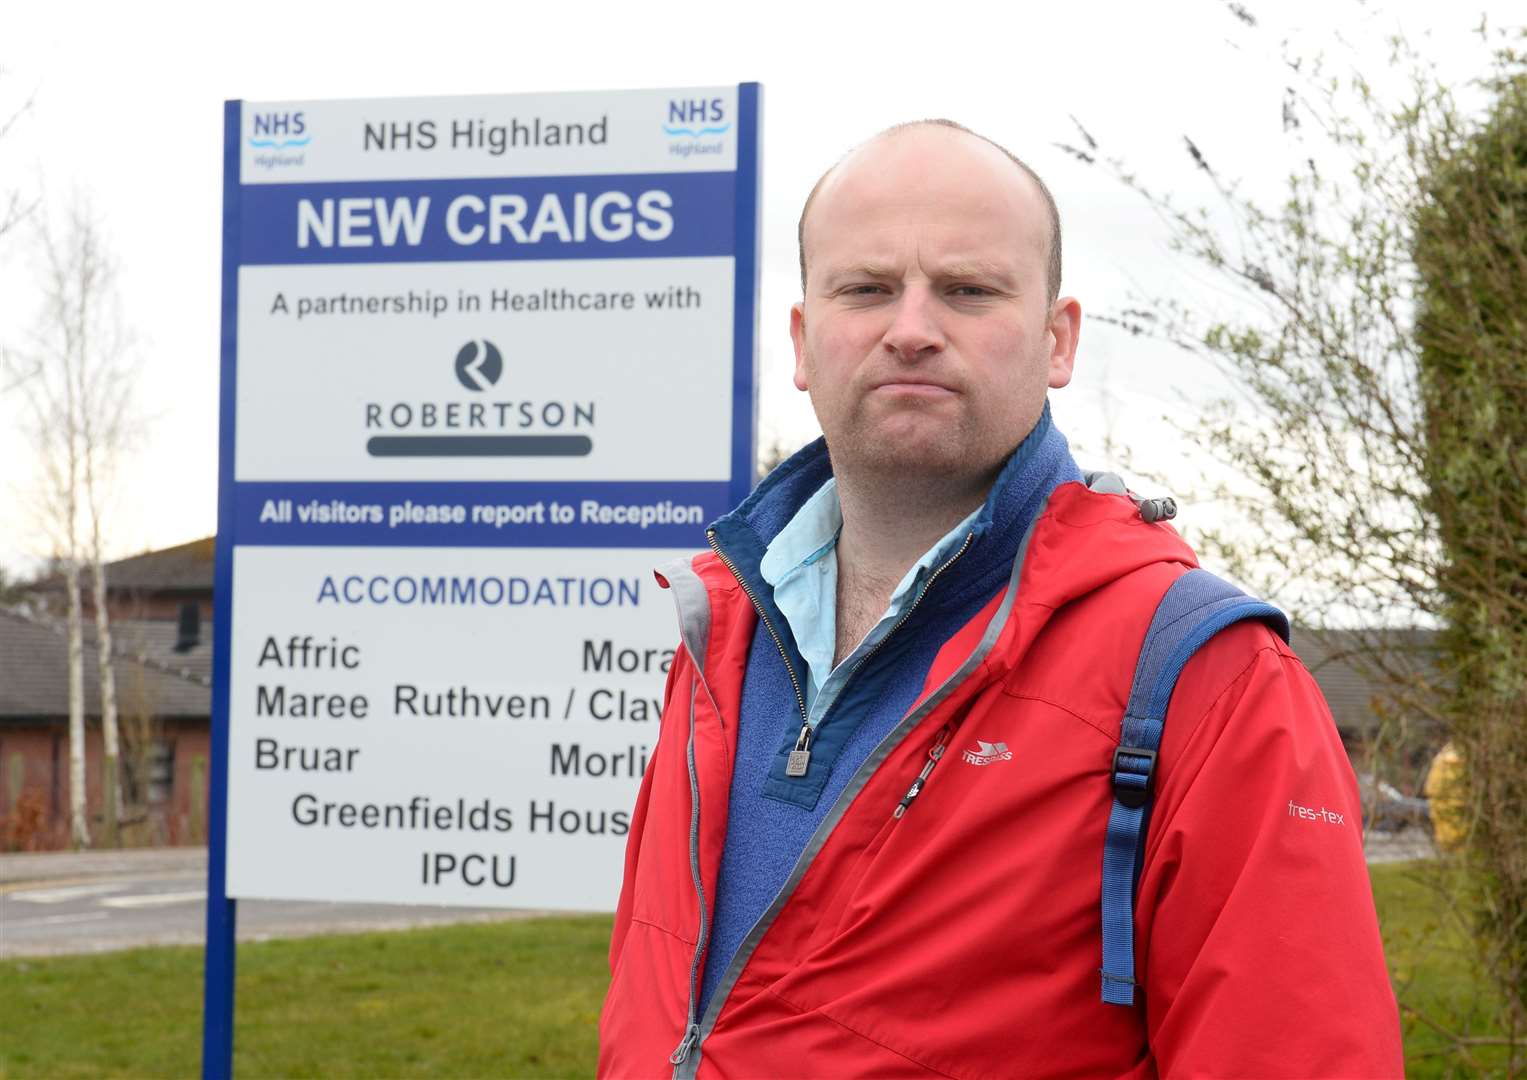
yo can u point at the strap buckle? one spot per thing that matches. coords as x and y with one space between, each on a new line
1135 791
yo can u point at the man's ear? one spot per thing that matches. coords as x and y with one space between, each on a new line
798 339
1065 329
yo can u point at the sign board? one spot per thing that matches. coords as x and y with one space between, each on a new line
486 361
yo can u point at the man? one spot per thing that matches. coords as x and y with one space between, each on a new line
870 837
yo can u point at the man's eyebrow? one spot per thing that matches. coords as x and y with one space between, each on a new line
979 269
961 269
866 269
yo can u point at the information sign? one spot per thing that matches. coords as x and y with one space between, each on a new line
486 361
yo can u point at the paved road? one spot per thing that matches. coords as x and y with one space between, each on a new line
97 901
1407 844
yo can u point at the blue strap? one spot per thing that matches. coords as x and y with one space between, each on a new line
1197 606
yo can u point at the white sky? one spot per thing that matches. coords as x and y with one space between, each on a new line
129 109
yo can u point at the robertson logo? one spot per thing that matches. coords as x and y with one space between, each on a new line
479 365
985 753
477 424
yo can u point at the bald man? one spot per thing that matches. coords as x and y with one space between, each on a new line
869 841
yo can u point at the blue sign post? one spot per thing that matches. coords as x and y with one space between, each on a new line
485 361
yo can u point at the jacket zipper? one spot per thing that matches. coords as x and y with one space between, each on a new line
692 1029
935 752
691 1025
691 1036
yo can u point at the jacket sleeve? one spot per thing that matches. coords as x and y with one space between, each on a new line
1259 946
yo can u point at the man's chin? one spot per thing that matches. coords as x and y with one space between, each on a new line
908 458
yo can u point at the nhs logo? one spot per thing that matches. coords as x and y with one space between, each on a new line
696 118
695 126
279 131
278 140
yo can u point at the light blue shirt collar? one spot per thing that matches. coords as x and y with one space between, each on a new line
801 564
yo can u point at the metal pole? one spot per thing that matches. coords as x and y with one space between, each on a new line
217 980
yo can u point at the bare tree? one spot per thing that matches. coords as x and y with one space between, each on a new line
14 205
14 209
1366 326
77 382
103 426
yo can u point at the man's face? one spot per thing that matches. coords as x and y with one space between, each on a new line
926 338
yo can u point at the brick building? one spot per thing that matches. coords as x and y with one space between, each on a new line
160 605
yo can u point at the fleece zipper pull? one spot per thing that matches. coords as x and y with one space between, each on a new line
800 758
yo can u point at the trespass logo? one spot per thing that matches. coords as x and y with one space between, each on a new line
696 126
279 138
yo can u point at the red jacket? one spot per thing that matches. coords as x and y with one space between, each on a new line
962 938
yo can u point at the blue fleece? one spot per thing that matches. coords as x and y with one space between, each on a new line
772 817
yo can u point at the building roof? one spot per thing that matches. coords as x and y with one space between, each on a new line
152 641
1340 661
150 677
185 567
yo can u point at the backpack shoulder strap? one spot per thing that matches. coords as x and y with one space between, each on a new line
1197 606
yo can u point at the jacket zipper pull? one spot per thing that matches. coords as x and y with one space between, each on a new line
935 752
800 758
691 1036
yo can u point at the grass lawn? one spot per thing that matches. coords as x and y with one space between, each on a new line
1433 966
517 999
498 999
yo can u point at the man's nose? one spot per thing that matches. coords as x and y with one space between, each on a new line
915 330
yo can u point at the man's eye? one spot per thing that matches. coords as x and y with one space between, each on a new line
865 289
971 290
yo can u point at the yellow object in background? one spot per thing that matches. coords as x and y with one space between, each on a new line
1441 789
